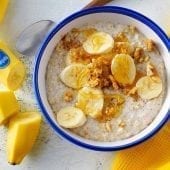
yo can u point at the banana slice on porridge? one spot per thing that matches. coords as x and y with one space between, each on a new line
123 69
91 101
71 117
98 43
75 76
149 87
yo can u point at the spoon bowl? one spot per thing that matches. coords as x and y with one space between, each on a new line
30 39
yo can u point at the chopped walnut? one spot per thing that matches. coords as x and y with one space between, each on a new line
132 91
108 126
122 124
149 69
99 70
150 45
114 83
136 106
138 53
122 47
70 40
68 96
121 37
146 58
132 29
79 55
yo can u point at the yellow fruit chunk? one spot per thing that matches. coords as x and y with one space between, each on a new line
75 76
98 43
22 133
8 105
12 70
123 69
90 101
3 6
149 87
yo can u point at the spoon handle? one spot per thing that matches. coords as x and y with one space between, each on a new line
96 3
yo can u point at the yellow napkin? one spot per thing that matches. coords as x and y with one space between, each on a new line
153 154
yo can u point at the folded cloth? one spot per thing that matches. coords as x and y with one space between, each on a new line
154 154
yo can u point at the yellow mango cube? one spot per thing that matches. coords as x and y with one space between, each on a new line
22 133
8 105
3 6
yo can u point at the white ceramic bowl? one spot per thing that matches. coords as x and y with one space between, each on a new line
114 15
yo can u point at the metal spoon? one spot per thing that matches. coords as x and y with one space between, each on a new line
29 40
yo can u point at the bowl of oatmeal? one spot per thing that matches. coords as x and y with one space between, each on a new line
101 78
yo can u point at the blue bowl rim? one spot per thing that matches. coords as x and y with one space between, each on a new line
111 9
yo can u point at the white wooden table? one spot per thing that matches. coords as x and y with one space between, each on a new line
50 152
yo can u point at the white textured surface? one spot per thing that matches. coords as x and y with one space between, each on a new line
50 152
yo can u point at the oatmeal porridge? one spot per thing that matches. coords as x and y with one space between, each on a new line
105 82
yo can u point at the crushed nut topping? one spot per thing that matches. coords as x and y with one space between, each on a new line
108 126
79 55
138 53
100 71
150 70
132 91
132 29
112 107
122 124
68 96
121 37
114 83
150 45
70 40
122 47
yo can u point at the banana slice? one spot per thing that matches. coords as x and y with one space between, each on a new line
75 76
91 101
71 117
149 87
123 69
98 43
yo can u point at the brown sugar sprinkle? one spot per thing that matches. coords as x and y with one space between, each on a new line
80 55
68 96
150 45
121 37
70 40
122 47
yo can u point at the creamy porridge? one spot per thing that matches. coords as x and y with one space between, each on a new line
105 82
